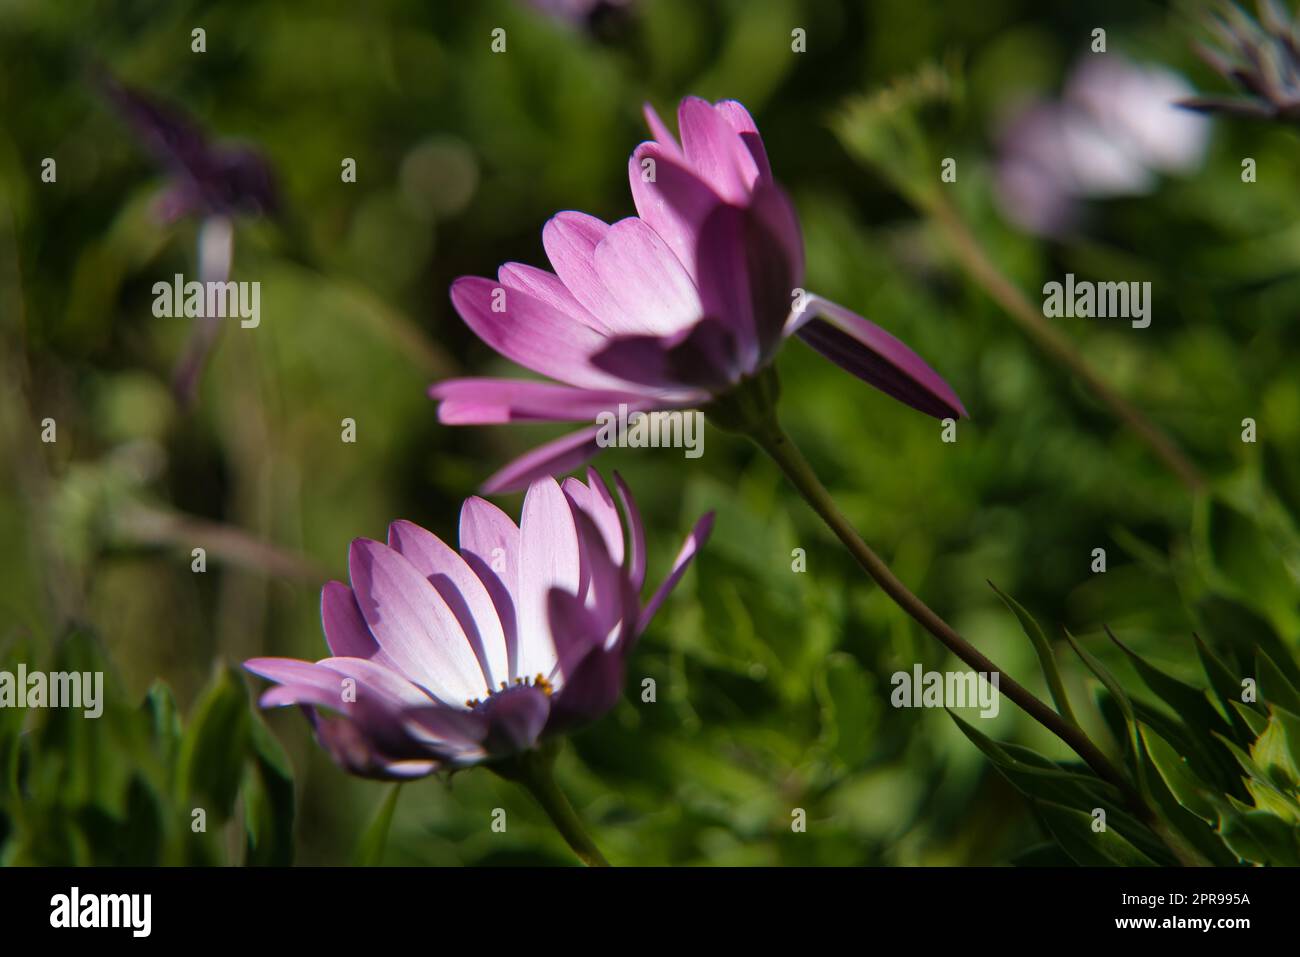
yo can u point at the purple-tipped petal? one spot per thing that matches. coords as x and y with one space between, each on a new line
554 458
497 401
416 631
536 335
461 589
876 357
694 542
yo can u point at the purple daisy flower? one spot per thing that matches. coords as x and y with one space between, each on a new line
669 309
442 659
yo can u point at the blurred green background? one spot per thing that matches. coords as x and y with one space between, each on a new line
772 685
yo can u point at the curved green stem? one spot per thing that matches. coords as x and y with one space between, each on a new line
777 444
533 771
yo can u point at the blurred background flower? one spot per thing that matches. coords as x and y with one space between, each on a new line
1117 126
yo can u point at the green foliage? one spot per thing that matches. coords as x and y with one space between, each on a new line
123 787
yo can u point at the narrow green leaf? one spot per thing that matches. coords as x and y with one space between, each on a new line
1075 831
1182 782
370 850
1274 688
1043 648
215 745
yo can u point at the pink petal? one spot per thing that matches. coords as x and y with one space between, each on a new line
675 204
570 239
660 132
463 591
536 335
415 629
694 542
715 150
489 543
548 558
494 401
647 281
635 534
554 458
345 630
547 287
876 357
738 119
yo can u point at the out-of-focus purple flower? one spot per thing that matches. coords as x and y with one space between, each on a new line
442 659
668 309
206 177
581 12
1262 59
1115 129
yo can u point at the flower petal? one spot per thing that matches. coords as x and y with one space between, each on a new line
715 150
674 203
461 589
515 718
570 239
531 332
635 534
876 357
548 558
345 630
489 543
694 542
660 131
554 458
738 119
495 401
416 631
648 282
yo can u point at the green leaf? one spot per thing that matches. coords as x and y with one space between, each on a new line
1258 836
1247 558
1182 782
1187 702
1254 720
1226 687
1112 685
1274 688
370 850
268 801
847 710
1043 648
1073 830
215 746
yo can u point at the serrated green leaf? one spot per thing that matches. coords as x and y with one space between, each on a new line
1258 836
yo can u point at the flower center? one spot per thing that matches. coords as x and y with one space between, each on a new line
538 681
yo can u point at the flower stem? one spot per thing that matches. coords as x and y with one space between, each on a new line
534 772
773 440
1058 347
